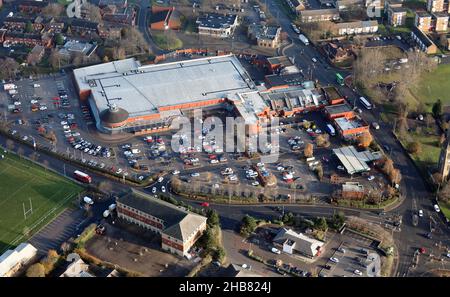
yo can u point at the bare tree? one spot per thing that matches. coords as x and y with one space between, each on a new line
8 68
92 12
53 10
55 59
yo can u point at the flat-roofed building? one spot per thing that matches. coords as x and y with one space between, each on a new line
319 15
335 111
344 5
355 161
179 229
440 21
127 97
358 27
423 21
217 25
351 127
397 16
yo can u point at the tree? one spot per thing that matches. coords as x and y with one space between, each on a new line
388 166
50 261
93 12
442 139
322 140
119 53
53 10
365 139
213 218
36 270
66 247
395 177
319 172
308 150
219 254
444 193
414 147
8 68
248 225
28 27
55 59
59 39
320 224
437 109
337 220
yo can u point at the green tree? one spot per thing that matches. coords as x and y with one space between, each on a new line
28 27
36 270
213 218
321 224
219 254
59 39
337 220
437 109
414 147
248 225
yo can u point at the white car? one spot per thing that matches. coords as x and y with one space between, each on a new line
214 161
280 168
420 213
340 167
163 189
25 138
335 260
34 101
154 190
160 179
43 107
436 208
371 178
175 172
357 272
63 123
255 183
65 127
314 60
119 171
195 174
375 125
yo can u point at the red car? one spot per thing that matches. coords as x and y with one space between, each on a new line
422 250
204 204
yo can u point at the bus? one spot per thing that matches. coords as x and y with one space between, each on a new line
365 102
82 177
339 79
331 130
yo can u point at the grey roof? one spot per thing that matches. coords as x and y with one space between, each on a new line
112 116
422 36
178 223
338 108
142 90
314 12
216 20
357 24
303 244
352 160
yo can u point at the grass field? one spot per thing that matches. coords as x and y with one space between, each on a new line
20 181
433 86
430 149
445 208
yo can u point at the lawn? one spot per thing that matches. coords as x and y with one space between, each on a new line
433 86
20 182
167 42
445 208
430 149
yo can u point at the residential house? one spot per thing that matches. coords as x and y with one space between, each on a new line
424 43
36 55
83 27
30 6
358 27
296 5
435 5
440 21
319 15
291 242
217 25
344 5
76 47
29 39
179 228
77 267
54 26
20 23
126 16
423 21
396 16
164 18
265 36
338 52
12 260
109 32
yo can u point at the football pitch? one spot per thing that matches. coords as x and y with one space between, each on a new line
30 197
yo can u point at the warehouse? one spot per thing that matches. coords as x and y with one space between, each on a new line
354 161
127 97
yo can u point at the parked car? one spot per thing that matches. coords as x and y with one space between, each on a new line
334 259
436 208
420 213
275 251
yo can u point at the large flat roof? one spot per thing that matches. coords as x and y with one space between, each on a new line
355 161
142 90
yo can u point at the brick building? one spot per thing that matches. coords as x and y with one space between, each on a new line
36 55
424 43
440 21
423 21
179 229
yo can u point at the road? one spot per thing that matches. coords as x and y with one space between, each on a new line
142 22
412 185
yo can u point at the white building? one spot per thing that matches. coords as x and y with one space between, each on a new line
12 260
292 242
359 27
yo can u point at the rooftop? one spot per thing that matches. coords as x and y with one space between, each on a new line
216 20
316 12
294 97
142 90
422 36
357 24
338 108
293 79
280 60
348 124
265 32
298 241
352 187
354 161
178 223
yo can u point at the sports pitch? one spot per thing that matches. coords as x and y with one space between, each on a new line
20 182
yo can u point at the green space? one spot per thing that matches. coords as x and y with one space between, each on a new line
433 86
65 2
445 208
429 155
167 42
20 182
